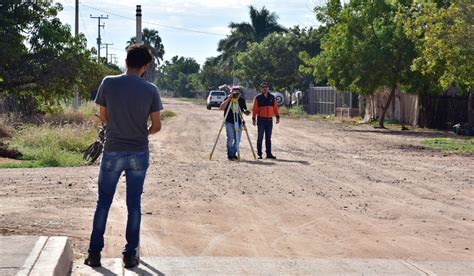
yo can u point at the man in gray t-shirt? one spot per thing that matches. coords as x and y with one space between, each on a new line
125 102
129 100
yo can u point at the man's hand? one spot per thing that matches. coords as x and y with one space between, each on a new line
246 112
155 123
278 120
254 122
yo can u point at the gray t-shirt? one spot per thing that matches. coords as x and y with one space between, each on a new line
129 100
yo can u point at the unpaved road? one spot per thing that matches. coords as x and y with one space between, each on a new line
335 191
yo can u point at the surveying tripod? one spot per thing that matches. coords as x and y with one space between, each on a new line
234 106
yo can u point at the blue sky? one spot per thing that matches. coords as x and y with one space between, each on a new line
210 16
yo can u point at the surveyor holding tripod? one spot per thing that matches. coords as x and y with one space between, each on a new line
126 102
231 130
264 108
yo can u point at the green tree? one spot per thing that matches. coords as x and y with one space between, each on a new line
212 76
364 50
276 59
443 36
152 39
178 75
262 23
41 61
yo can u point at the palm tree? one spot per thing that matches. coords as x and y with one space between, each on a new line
262 23
152 39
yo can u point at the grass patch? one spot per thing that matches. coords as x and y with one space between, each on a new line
60 141
294 112
451 145
52 146
20 165
167 114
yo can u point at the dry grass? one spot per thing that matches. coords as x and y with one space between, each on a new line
6 128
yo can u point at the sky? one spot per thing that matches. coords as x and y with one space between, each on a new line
189 28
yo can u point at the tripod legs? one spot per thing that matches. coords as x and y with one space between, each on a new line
237 127
248 137
217 139
219 134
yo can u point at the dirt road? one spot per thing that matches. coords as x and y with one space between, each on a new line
335 191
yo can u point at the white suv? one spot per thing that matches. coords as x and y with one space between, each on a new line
215 98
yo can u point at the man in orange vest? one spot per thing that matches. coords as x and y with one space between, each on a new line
264 108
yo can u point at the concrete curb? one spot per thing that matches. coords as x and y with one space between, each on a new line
205 266
55 258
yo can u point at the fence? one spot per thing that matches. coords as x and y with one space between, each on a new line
404 107
326 100
444 111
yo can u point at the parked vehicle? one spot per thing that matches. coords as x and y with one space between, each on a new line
215 98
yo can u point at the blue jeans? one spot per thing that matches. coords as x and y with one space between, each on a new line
233 137
112 164
264 127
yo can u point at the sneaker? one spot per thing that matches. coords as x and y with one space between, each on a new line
259 157
93 259
130 261
270 156
232 158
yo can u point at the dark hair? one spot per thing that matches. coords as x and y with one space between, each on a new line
138 55
264 83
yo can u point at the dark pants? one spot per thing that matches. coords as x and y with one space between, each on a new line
135 165
264 127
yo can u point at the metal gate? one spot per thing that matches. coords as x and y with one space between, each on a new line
321 100
326 100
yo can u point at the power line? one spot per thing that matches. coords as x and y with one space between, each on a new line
150 23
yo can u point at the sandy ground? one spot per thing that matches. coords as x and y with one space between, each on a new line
336 191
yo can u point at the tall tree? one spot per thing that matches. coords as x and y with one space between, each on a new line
179 75
152 39
366 49
211 76
262 23
276 59
40 60
443 36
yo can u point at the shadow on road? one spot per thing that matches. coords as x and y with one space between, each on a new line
103 271
258 162
422 134
274 161
302 162
144 272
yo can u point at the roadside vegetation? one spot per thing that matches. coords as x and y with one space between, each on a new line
451 145
56 140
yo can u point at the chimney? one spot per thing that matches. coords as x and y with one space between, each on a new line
139 25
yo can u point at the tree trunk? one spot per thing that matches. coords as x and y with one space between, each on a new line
470 110
424 107
385 108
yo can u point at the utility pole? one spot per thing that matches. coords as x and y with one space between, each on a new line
107 51
75 101
77 19
99 41
139 25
